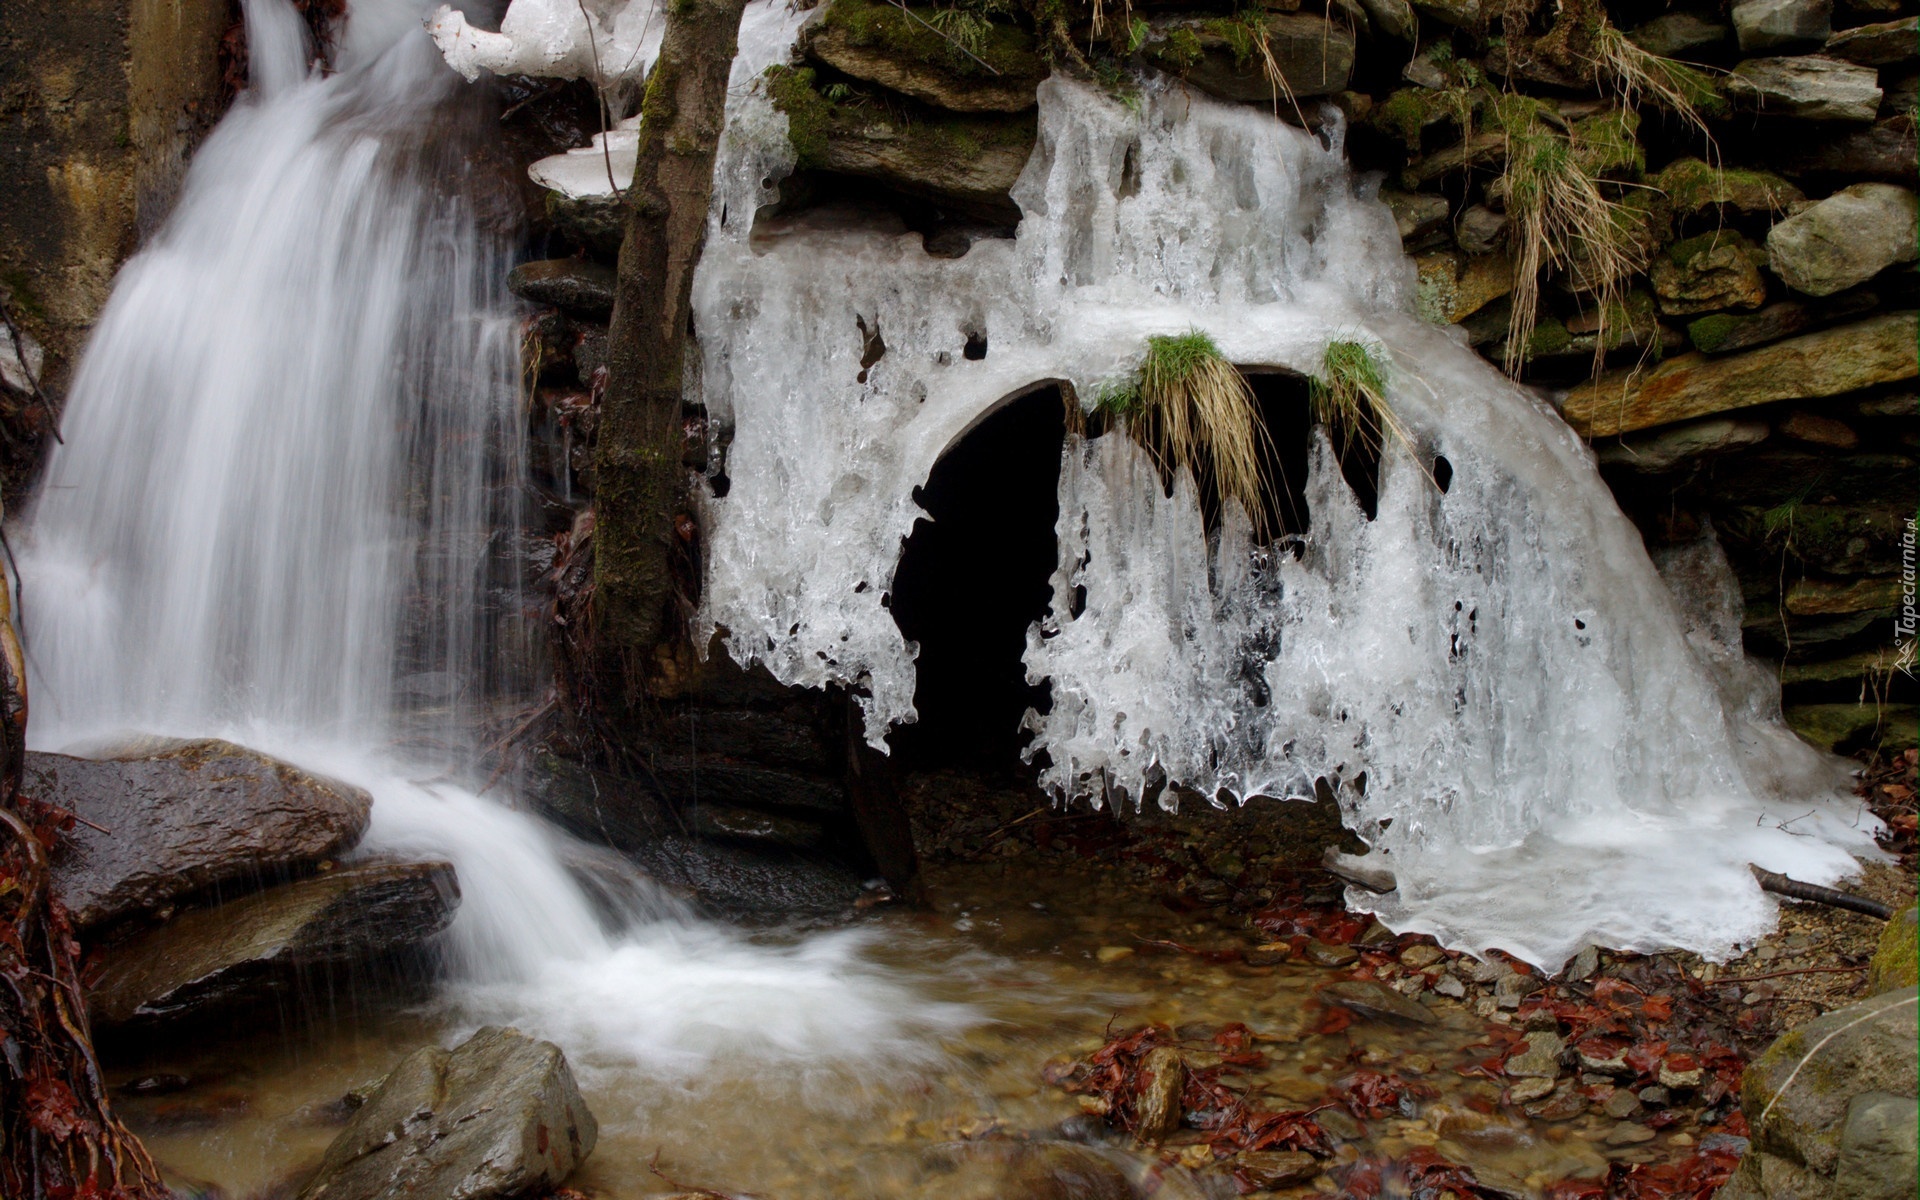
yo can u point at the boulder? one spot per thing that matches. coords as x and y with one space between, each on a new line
1222 55
1846 239
1770 24
754 828
1884 151
596 222
1462 14
1708 273
576 285
1831 1106
596 806
1896 961
1876 45
1678 445
1827 363
1480 230
498 1117
163 824
1676 33
212 960
966 161
745 880
901 50
1810 89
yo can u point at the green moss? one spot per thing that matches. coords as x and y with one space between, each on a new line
950 38
1180 51
1710 333
1608 144
1692 185
1896 963
1550 337
809 114
1683 251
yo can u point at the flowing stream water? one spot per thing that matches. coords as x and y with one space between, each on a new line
292 448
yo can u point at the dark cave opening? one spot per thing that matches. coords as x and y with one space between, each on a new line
972 579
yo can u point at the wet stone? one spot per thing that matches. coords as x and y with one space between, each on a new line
1417 957
1449 985
1621 1105
1629 1134
1540 1060
575 285
1526 1091
1510 990
1340 1125
1272 1170
1323 954
1158 1112
1368 999
1561 1106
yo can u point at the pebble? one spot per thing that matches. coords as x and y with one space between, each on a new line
1621 1104
1416 957
1562 1106
1584 964
1325 954
1369 999
1450 987
1112 954
1541 1058
1510 990
1654 1097
1526 1091
1681 1140
1339 1124
1681 1081
1628 1134
1416 1064
1270 1170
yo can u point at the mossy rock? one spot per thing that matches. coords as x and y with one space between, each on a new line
966 161
1845 727
978 65
1222 55
1896 964
1693 186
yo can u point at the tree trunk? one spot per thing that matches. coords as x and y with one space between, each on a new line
642 527
58 1134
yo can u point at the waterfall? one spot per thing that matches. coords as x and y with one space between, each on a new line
1492 677
282 514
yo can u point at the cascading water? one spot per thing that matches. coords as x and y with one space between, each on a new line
291 455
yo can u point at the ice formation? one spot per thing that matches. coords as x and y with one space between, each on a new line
609 41
1495 680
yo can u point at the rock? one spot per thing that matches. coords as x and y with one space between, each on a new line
1896 962
1370 1000
1526 1091
596 806
1678 1079
1416 214
1843 728
883 44
1621 1105
1827 363
1392 18
1846 239
966 160
1771 24
1479 229
1819 597
1417 957
211 960
1452 287
498 1117
1884 151
1901 404
1541 1058
186 817
1800 1099
596 222
1679 445
1819 431
1724 333
754 828
1877 1148
1629 1134
1612 1064
1510 990
1339 1124
1157 1112
1450 987
1676 33
574 284
1693 187
1563 1105
1707 273
743 879
1271 1170
1583 965
1876 45
1321 954
1810 89
1463 14
1654 1096
1220 55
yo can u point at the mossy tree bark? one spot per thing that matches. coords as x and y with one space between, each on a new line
641 521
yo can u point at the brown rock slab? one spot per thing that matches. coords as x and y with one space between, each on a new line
1828 363
186 817
1819 597
262 945
1370 1000
1819 431
1271 1170
882 44
1314 56
1158 1109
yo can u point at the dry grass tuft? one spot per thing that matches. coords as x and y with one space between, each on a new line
1188 407
1349 397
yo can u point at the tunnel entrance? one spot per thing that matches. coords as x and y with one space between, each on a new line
972 578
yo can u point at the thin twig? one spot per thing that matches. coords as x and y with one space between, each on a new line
33 381
1781 975
600 94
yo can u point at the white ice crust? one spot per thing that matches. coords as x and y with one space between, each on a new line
1550 757
605 40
